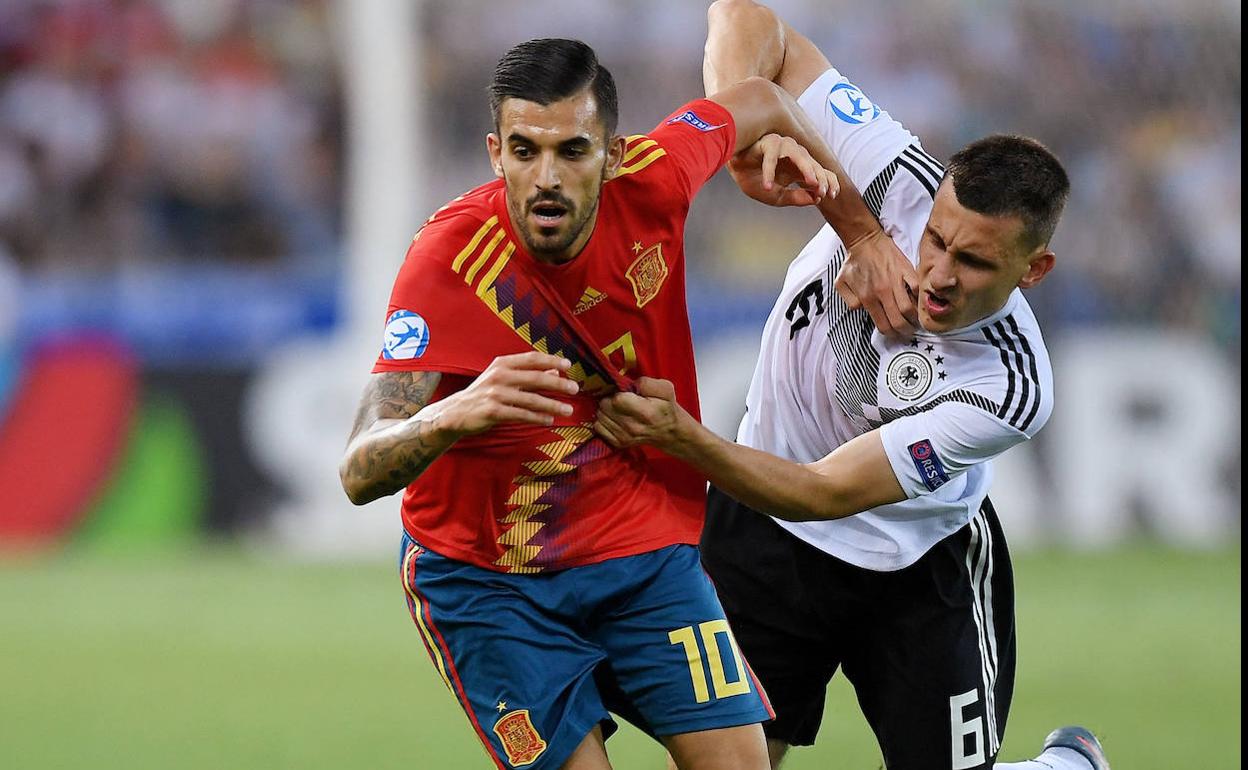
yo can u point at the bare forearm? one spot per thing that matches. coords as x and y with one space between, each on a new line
743 40
784 489
847 212
747 40
392 454
856 476
397 433
760 107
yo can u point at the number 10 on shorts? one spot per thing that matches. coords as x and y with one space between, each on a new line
710 631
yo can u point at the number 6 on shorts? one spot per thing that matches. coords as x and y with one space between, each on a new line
710 631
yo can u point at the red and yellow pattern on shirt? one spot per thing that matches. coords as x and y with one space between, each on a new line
527 498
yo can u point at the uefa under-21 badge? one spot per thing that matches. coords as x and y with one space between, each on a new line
930 468
909 375
519 738
407 336
851 105
690 117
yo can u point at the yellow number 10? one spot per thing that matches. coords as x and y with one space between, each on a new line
709 631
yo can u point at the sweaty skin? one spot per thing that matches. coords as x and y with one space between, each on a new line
970 262
554 160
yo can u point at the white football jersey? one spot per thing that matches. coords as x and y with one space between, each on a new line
946 404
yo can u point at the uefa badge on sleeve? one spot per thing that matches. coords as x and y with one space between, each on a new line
928 464
851 105
691 117
407 336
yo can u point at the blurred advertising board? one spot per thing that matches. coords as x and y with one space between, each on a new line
167 406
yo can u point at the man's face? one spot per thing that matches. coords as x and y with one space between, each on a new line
554 160
969 263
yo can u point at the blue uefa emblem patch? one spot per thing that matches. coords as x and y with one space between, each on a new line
407 336
930 468
851 105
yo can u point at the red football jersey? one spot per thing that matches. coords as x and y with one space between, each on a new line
523 498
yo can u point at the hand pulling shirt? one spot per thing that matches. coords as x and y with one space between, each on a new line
945 404
522 498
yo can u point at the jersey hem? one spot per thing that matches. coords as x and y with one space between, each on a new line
900 465
720 721
380 367
892 563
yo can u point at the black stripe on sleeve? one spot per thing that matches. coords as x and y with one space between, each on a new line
1005 359
873 196
919 175
1031 364
920 154
925 161
1016 358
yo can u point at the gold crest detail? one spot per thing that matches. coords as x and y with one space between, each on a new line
520 739
647 274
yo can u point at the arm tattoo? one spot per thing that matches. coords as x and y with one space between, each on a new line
394 396
381 462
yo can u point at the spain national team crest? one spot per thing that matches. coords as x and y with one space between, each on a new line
520 739
647 273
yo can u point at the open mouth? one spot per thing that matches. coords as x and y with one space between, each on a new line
936 304
548 213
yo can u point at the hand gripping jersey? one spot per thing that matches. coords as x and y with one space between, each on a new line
946 404
521 498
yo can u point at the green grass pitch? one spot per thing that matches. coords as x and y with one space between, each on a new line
217 659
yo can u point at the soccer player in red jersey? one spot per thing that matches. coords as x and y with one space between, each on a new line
534 554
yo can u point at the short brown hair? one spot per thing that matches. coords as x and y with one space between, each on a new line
1004 175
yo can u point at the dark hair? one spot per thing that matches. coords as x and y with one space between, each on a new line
1005 175
550 69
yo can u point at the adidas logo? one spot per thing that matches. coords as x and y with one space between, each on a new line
590 298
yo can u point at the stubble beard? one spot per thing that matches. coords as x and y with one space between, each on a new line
552 252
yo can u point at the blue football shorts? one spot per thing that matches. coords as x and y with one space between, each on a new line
520 652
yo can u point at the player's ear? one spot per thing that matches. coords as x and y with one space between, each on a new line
615 157
495 148
1038 266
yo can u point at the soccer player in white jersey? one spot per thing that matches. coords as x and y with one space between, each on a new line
882 555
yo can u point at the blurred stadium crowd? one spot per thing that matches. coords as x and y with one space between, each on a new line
1141 100
139 130
164 131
